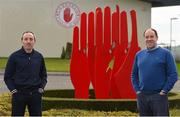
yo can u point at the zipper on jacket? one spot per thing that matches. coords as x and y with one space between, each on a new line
29 60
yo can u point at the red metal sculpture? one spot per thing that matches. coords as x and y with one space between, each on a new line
79 68
103 40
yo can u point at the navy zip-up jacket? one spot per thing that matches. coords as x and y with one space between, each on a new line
25 71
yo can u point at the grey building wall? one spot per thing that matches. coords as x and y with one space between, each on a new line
17 16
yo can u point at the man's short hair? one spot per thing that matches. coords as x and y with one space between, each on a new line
28 32
152 30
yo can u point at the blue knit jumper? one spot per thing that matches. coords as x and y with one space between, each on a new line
154 70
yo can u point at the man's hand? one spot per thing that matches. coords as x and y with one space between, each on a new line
40 90
162 92
14 91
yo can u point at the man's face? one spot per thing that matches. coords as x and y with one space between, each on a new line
150 38
28 41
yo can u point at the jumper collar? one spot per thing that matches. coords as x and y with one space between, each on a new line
156 47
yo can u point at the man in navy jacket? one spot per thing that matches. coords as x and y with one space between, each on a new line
26 76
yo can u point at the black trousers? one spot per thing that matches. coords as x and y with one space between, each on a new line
153 105
33 101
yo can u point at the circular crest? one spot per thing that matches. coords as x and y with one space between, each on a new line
67 14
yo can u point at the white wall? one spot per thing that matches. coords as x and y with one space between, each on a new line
17 16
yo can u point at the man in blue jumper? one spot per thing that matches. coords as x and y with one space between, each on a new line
25 76
153 76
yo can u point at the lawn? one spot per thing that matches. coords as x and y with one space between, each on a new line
178 67
57 64
3 63
52 64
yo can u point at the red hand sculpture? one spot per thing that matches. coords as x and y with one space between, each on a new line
91 47
79 69
123 75
103 55
90 61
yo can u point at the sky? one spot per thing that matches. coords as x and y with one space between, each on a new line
160 20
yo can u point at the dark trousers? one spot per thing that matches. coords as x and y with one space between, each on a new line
153 105
33 100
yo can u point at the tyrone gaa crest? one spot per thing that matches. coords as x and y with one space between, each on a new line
67 14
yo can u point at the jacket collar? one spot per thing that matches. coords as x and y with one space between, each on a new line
22 50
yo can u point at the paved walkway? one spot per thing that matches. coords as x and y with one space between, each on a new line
61 80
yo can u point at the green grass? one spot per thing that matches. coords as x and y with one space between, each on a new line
178 68
3 62
57 64
52 64
54 106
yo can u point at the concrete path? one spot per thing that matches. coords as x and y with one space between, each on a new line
61 80
55 81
